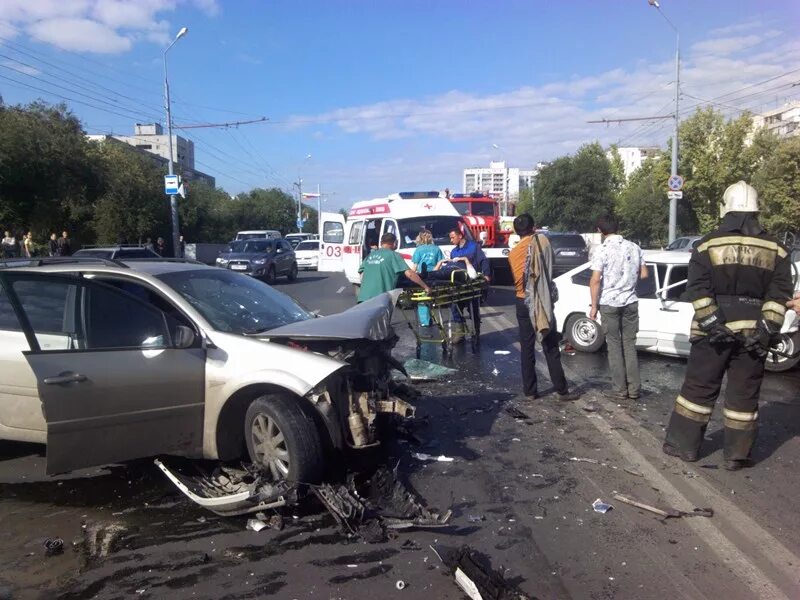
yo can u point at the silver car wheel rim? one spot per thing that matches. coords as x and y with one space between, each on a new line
786 346
584 331
269 447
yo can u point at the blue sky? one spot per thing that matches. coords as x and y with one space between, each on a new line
389 95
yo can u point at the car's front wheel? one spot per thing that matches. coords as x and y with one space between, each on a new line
271 276
292 272
584 334
789 345
282 439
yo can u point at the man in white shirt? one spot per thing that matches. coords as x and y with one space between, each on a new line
616 268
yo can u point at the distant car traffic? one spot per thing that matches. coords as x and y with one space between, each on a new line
569 251
258 234
260 258
307 254
296 238
116 252
664 315
684 244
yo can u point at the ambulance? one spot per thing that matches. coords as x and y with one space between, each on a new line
344 243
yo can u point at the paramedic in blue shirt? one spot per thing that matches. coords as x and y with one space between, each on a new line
469 252
426 256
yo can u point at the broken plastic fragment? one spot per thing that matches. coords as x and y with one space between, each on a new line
502 352
593 461
422 370
495 372
428 457
256 524
601 507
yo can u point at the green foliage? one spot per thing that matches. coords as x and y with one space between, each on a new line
778 184
525 202
642 205
617 170
574 191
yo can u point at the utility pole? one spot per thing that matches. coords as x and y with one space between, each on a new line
299 185
173 203
319 212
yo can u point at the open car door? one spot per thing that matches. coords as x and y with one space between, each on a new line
331 243
113 383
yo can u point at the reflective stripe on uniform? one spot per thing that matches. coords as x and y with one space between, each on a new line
740 416
702 303
773 311
741 325
742 240
690 410
702 313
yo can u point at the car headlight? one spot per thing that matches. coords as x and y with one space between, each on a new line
259 261
222 262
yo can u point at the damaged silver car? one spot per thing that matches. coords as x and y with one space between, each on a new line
107 361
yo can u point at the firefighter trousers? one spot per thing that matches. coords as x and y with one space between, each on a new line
708 363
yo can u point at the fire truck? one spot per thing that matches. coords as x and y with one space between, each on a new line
481 214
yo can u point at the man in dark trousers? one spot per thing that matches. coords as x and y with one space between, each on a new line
64 246
531 262
739 282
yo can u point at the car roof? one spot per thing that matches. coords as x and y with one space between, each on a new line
667 257
147 266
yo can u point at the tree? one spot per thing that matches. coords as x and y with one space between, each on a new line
617 170
778 184
525 202
574 191
642 205
47 181
205 214
131 206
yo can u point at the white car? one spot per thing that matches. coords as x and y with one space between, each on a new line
664 318
307 255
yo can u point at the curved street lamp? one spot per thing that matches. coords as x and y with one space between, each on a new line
173 203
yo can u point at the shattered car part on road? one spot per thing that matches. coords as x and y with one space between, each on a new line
227 491
387 504
474 575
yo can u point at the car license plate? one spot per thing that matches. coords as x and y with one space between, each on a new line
569 253
239 267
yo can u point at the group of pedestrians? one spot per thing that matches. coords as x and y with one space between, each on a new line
740 285
27 247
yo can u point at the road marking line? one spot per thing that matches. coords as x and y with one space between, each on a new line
341 289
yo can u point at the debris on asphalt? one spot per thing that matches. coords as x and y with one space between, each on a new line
591 407
422 370
601 507
667 513
517 413
256 525
593 461
632 472
476 518
429 457
474 575
383 503
53 546
502 352
495 372
400 585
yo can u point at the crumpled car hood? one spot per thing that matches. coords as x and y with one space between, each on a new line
370 320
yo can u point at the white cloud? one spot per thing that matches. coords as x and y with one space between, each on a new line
81 35
21 68
100 26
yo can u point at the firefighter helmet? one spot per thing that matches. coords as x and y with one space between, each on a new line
739 197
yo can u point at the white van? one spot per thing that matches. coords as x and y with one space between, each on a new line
258 234
345 242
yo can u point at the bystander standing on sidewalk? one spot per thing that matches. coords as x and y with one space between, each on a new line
64 245
52 245
28 249
531 262
616 268
9 245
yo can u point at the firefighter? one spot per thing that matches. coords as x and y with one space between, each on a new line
739 282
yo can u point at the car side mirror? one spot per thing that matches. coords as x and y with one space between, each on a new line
183 337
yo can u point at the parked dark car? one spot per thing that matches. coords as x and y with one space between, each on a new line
264 259
116 252
569 251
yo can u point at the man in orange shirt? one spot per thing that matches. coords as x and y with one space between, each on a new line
531 263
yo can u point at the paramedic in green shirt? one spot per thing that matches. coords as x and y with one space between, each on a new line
381 269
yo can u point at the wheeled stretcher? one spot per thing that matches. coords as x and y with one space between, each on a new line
452 291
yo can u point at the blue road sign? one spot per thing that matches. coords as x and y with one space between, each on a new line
675 183
171 185
300 223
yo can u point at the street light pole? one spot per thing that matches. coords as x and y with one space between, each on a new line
173 202
673 203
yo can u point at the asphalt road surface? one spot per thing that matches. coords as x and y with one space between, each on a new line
518 495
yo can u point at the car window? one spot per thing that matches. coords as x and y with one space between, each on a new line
235 303
482 209
677 274
8 318
646 288
94 253
45 306
582 277
308 246
461 207
566 241
287 247
134 253
332 232
355 233
115 319
439 226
